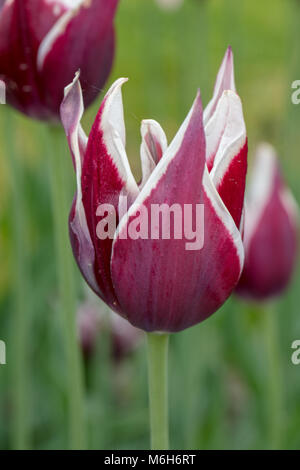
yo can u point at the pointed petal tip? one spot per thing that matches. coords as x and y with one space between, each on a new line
71 108
228 57
111 112
153 146
225 81
112 106
146 122
197 108
155 128
69 87
116 86
198 101
229 51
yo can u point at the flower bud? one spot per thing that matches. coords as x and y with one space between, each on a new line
270 233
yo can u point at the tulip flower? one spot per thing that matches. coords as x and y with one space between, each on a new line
271 224
44 42
157 284
149 270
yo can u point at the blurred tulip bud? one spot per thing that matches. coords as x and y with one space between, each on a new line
271 225
93 319
44 42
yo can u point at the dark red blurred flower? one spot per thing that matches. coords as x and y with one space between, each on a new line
271 226
156 283
44 42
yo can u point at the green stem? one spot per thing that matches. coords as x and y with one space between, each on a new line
64 260
158 390
190 374
274 403
20 429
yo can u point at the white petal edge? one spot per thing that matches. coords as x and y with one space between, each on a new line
79 223
260 188
82 137
148 159
224 215
114 135
226 71
229 113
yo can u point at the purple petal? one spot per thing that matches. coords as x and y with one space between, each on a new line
106 176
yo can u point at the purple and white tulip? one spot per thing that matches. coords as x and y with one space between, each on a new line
271 230
157 284
44 42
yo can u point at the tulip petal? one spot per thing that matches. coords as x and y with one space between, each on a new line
224 81
227 152
80 38
154 144
71 111
106 176
271 226
71 114
160 284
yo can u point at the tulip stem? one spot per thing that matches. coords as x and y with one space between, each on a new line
274 383
64 262
158 390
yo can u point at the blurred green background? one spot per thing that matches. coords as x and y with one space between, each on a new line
220 374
